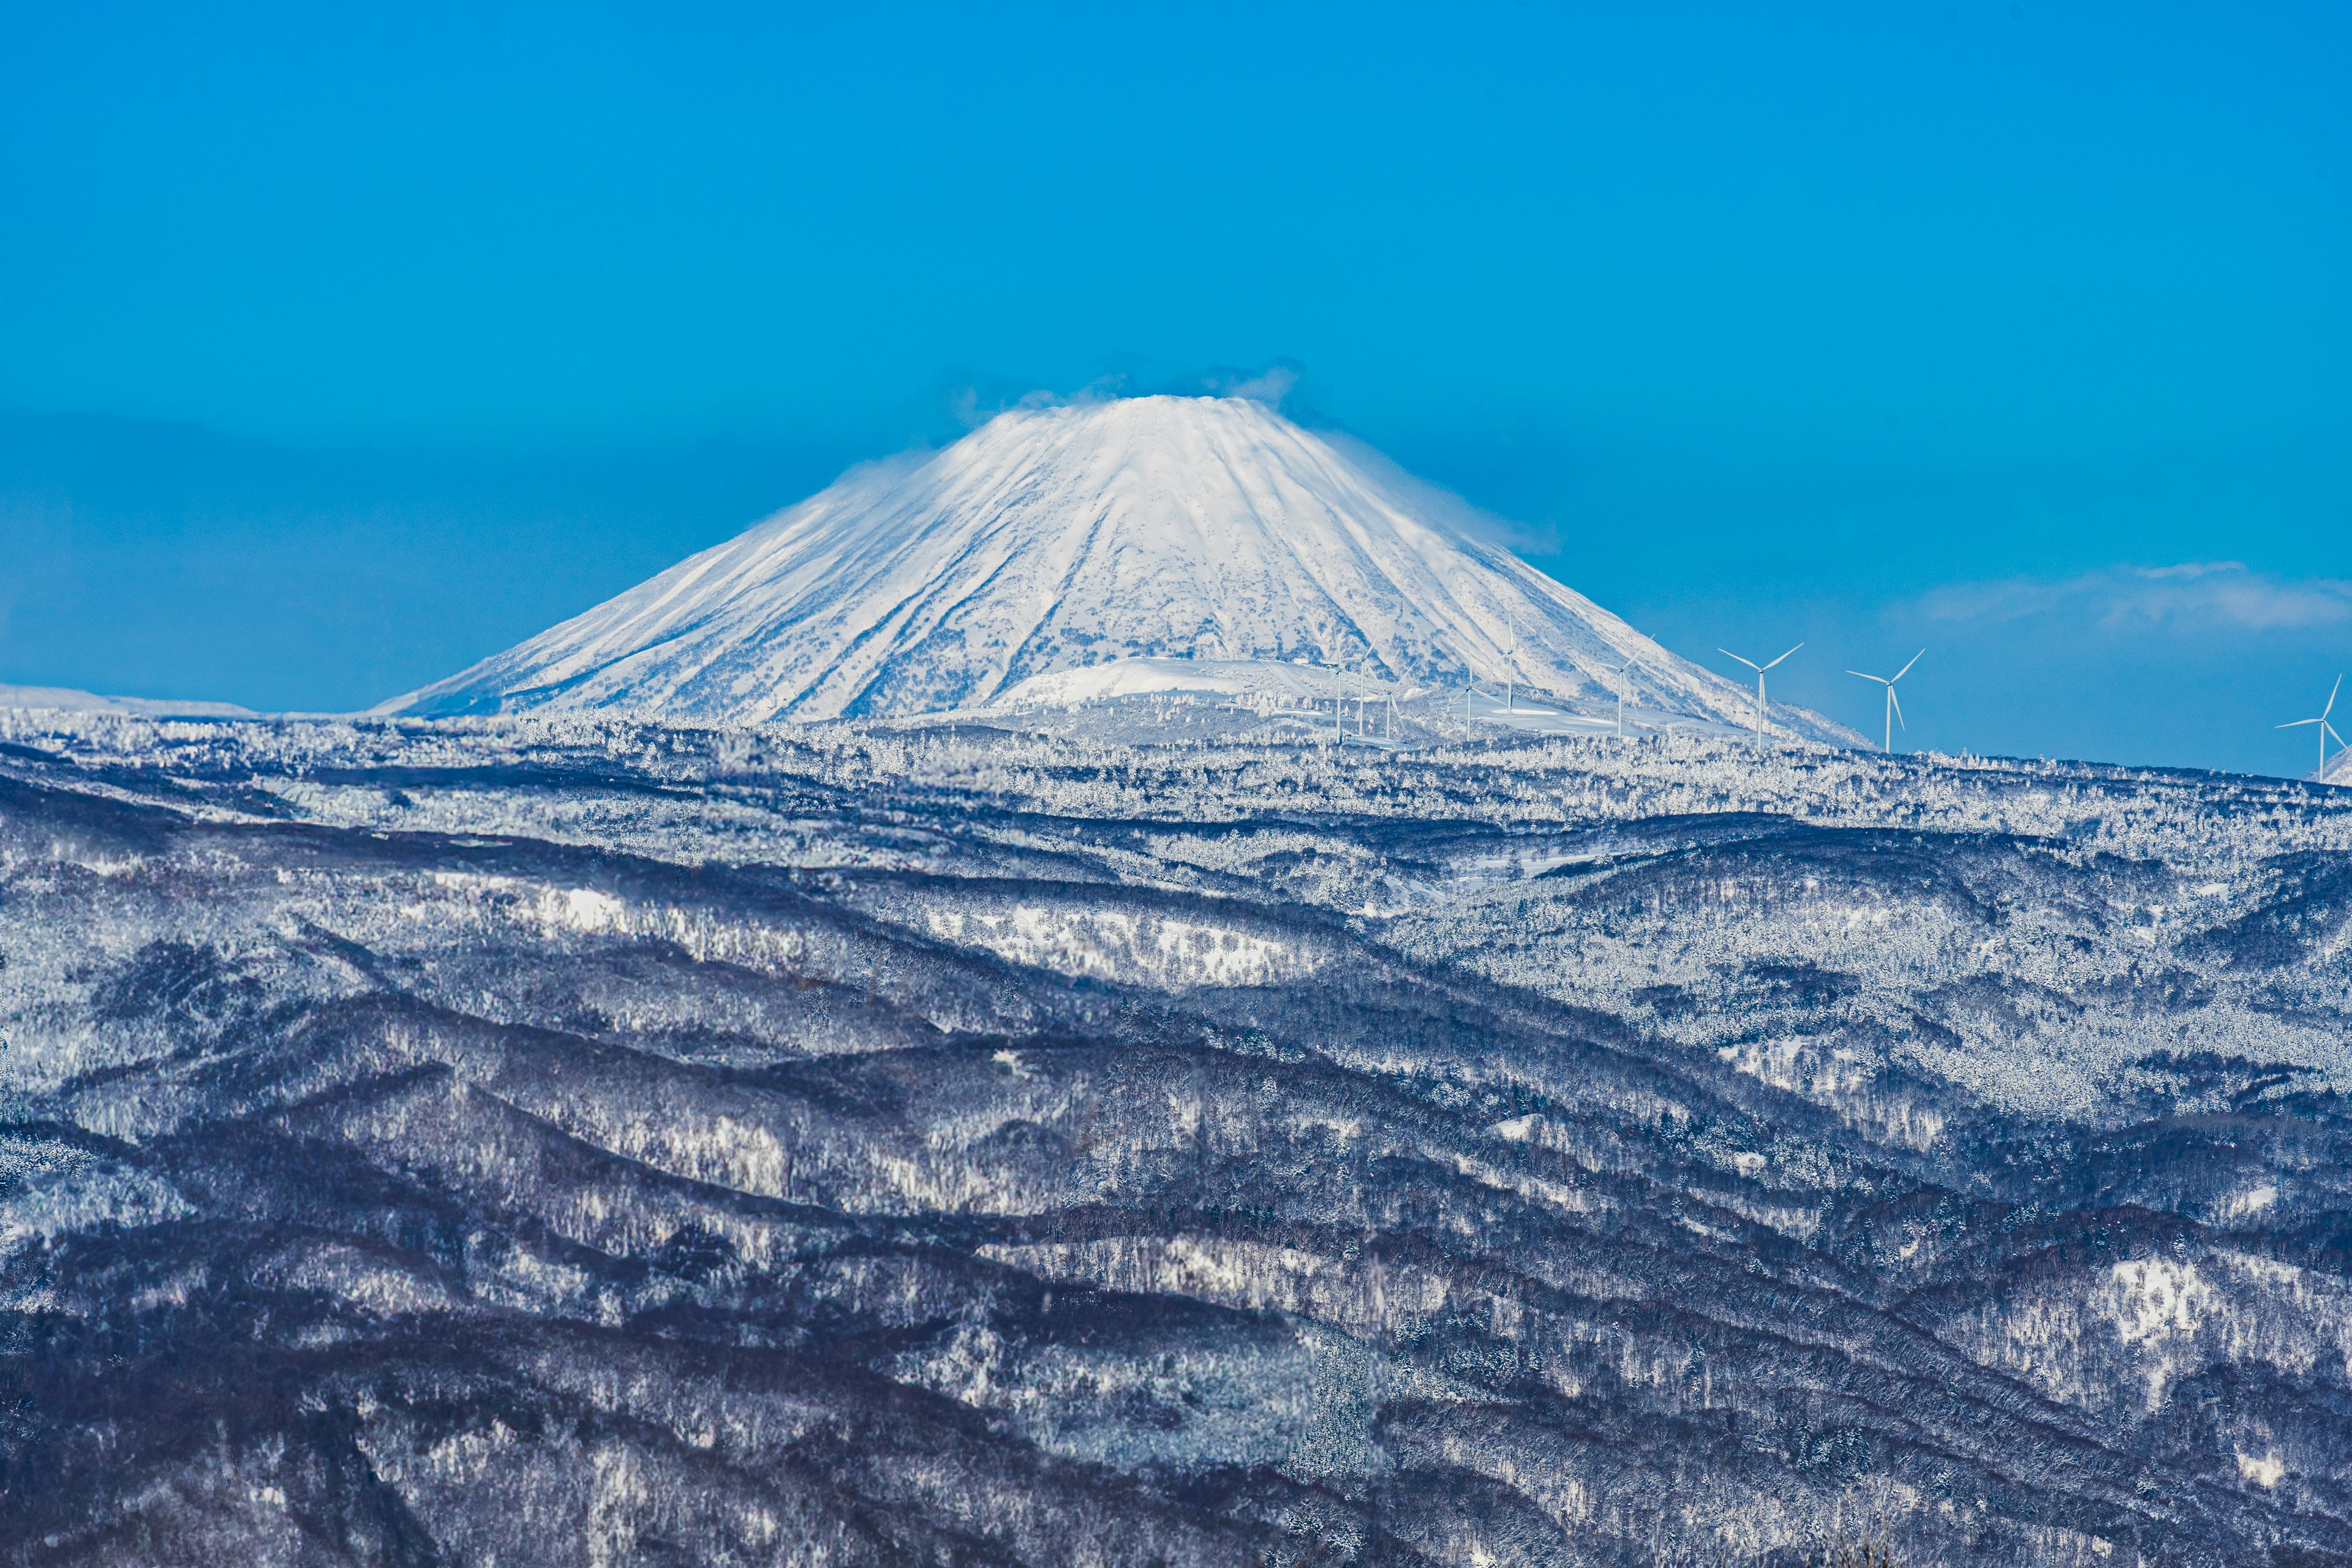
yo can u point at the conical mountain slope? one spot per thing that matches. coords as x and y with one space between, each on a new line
1055 538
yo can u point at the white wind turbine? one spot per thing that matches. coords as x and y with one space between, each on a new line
1759 669
2326 730
1469 687
1894 707
1511 669
1619 671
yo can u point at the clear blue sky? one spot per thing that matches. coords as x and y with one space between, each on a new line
339 346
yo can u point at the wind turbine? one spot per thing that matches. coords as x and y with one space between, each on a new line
1893 707
1619 671
1759 669
2326 729
1511 669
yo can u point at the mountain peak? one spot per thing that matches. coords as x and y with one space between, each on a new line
1055 538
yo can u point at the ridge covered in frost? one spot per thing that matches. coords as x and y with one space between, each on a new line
568 1140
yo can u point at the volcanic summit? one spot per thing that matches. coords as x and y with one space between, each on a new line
1054 539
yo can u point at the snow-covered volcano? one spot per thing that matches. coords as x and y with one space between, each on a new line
1058 538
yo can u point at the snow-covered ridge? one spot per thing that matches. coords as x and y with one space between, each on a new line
1058 538
66 700
1243 679
1579 1138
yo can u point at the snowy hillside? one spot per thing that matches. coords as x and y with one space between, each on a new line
66 700
564 1140
1057 539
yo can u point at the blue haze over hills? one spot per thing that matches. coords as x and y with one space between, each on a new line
345 351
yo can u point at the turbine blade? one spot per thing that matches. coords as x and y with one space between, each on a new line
1784 655
2330 731
1880 679
2331 691
1898 704
2299 723
1748 662
1906 668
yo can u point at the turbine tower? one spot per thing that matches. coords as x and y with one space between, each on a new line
1759 669
1893 707
1511 669
1619 671
2326 730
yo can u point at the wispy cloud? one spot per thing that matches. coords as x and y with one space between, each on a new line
1269 383
1442 505
2194 593
1269 386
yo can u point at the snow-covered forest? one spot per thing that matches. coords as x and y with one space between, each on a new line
1154 1132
